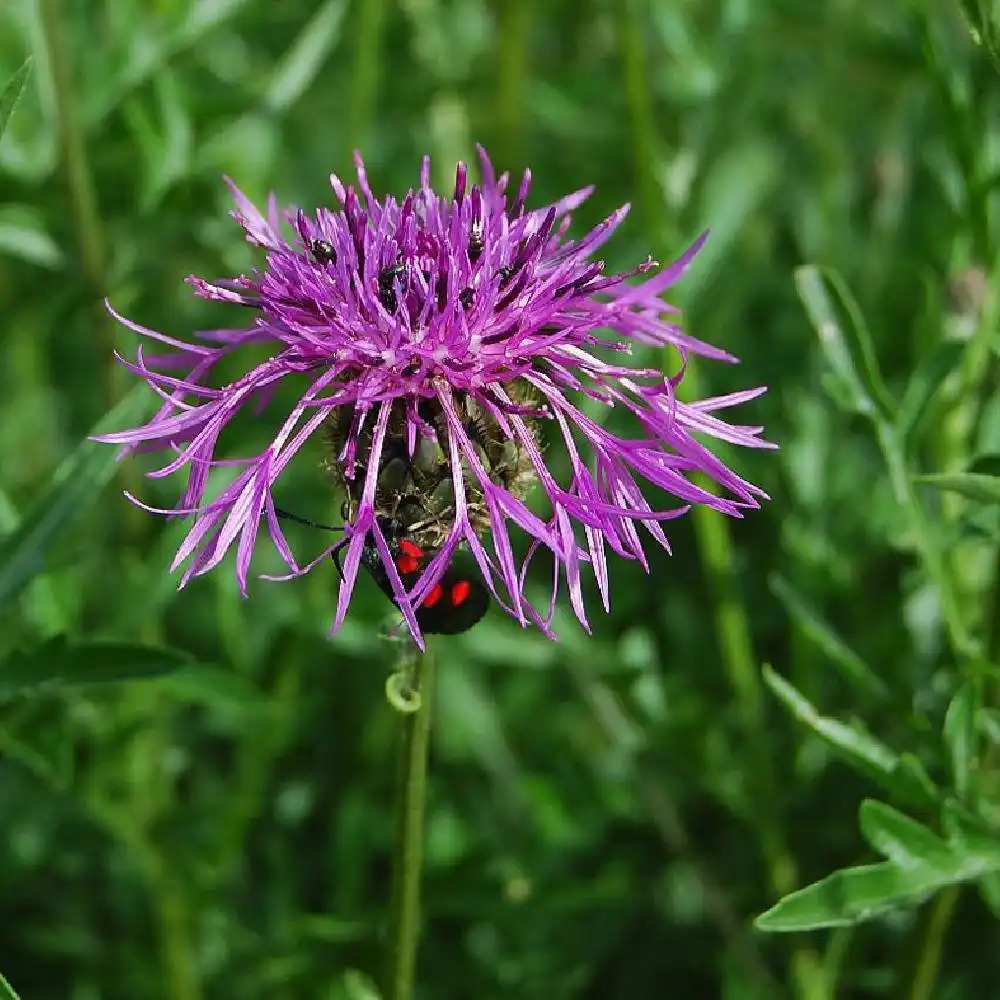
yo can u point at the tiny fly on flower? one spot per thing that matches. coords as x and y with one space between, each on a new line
323 252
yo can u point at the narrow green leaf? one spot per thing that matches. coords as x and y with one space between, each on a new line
961 735
229 695
912 773
922 863
857 746
32 245
973 485
358 986
815 628
11 92
987 463
849 896
298 67
736 185
862 345
989 892
928 376
849 349
904 841
74 485
989 724
983 21
157 49
61 662
7 991
969 835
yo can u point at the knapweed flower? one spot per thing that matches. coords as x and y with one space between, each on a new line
442 344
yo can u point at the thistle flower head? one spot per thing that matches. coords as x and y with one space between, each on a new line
437 342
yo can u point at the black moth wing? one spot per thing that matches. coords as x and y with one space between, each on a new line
457 602
449 616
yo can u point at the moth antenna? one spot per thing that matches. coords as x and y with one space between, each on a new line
287 515
335 556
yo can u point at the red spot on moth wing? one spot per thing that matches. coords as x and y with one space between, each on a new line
407 564
437 592
460 592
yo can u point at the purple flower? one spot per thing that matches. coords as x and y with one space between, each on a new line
436 341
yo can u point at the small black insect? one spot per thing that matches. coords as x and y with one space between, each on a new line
323 252
476 242
386 285
466 297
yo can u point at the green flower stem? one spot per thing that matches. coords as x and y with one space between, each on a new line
410 692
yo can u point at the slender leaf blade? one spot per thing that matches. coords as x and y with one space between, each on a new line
74 485
968 834
849 349
849 896
61 662
857 746
7 991
961 735
299 66
11 92
861 345
972 485
820 632
926 380
903 840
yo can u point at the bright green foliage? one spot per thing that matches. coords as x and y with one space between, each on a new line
609 815
58 663
11 92
919 864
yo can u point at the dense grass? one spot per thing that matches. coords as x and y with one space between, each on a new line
607 814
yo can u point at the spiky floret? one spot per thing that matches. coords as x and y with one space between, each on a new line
437 337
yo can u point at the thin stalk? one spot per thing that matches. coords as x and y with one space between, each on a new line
644 138
619 730
715 543
926 537
89 232
715 547
81 186
512 73
922 981
404 914
180 976
79 180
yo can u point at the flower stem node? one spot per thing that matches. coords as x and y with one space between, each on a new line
401 693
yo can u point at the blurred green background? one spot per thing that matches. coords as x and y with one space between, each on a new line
607 814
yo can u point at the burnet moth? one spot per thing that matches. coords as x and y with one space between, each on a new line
453 605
